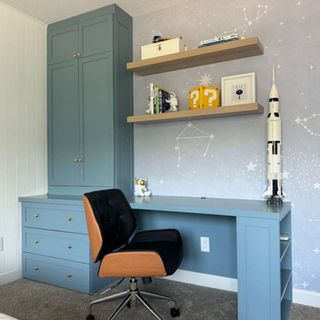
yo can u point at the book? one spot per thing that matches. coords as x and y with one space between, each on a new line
156 99
164 97
151 98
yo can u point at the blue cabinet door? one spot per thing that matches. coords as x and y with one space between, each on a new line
63 124
96 35
97 131
258 253
63 44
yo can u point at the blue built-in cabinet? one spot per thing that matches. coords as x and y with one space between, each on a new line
90 145
89 98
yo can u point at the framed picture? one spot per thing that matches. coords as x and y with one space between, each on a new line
238 89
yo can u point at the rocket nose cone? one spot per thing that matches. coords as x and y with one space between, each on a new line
274 91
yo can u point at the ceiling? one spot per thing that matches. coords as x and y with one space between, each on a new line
50 11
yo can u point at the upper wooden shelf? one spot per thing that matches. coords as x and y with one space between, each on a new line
197 57
241 109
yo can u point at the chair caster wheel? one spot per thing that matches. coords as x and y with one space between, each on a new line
90 317
175 312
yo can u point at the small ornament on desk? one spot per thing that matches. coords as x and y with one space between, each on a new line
173 102
140 188
274 191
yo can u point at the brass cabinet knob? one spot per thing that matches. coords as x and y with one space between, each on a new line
36 215
36 268
75 160
78 54
35 241
69 275
80 159
75 55
69 246
70 218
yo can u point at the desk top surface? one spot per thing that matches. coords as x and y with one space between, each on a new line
206 206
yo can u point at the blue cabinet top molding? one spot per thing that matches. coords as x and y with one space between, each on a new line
206 206
111 9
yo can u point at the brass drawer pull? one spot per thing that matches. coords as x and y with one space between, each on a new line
69 246
69 275
36 268
35 241
69 218
36 215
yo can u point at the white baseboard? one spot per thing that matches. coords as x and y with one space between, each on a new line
205 280
10 276
308 298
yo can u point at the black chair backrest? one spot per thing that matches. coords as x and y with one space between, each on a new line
115 218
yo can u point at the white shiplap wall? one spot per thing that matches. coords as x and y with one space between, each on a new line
23 138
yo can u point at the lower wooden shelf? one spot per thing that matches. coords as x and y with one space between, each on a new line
227 111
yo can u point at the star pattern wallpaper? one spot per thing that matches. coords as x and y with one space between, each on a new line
226 157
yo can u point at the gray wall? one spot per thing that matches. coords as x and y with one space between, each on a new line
289 32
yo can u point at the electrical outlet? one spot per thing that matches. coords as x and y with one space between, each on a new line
1 244
205 244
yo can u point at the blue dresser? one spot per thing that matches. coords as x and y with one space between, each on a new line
55 245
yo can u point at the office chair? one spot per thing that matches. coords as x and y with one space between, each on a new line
123 254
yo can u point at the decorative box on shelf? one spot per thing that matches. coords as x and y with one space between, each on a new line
204 97
163 48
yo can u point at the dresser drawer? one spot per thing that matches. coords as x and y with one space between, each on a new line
67 274
57 244
57 217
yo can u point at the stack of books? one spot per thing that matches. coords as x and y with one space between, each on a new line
157 100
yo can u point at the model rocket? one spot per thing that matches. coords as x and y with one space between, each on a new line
274 190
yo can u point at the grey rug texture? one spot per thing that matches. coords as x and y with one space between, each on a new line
29 300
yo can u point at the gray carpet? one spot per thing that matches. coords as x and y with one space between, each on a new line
28 300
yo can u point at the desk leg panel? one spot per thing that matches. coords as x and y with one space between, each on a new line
258 262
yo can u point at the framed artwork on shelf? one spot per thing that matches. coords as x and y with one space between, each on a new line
238 89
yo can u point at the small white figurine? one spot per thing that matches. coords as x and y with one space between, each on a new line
140 188
173 101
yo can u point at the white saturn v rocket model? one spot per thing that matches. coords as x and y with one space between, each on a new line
274 190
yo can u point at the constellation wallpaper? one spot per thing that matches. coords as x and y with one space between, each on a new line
226 157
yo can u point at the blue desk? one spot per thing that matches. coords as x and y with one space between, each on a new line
246 243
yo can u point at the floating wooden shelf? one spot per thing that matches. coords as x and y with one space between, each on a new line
241 109
198 57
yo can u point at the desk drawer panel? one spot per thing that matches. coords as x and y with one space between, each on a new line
70 246
63 218
67 274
